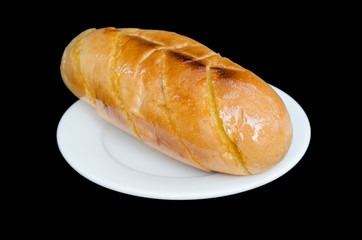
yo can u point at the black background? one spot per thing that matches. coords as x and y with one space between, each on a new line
284 45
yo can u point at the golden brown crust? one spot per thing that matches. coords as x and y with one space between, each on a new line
254 117
70 67
179 97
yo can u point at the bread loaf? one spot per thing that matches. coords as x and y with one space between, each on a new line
179 97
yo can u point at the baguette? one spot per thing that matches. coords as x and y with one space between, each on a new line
179 97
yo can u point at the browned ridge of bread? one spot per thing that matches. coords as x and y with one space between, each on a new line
179 97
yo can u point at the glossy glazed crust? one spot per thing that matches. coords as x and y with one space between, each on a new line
179 97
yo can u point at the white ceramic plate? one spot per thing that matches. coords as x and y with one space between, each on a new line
113 159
